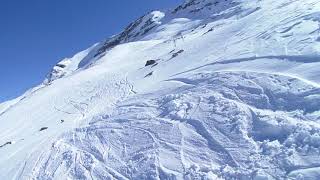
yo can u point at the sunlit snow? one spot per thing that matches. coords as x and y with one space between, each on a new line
233 92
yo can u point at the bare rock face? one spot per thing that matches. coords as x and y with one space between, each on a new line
134 31
204 6
58 71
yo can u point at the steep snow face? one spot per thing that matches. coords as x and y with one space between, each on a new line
231 90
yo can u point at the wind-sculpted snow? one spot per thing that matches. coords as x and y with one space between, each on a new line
222 125
209 90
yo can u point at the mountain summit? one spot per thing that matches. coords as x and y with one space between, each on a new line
211 89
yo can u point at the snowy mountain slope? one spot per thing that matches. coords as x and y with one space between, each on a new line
233 92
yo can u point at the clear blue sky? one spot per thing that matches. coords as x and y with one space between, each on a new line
36 34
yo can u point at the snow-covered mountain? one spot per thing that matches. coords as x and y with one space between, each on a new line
212 89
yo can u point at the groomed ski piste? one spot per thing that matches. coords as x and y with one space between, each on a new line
212 89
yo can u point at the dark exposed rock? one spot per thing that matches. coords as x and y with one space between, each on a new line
196 6
196 10
57 72
184 6
137 28
149 74
210 30
176 53
171 51
43 128
7 143
107 45
154 65
61 65
148 29
150 62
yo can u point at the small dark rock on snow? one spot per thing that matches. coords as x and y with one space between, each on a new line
177 53
43 128
7 143
149 74
150 62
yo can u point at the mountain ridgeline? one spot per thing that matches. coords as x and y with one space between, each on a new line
211 89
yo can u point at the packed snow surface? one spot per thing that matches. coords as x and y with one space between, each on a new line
212 89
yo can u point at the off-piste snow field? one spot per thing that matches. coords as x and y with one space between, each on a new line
211 89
